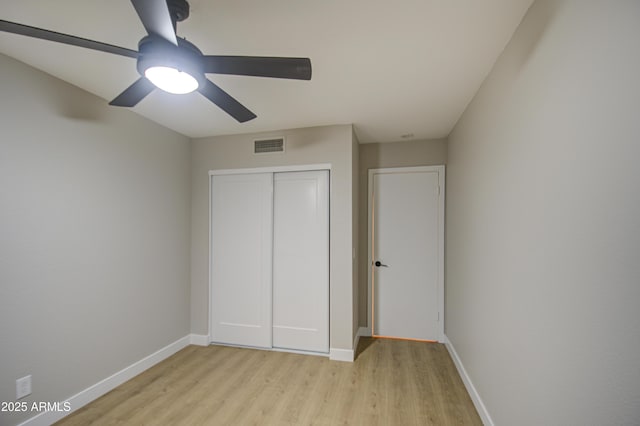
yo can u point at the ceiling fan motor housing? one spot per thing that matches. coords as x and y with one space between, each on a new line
155 51
178 9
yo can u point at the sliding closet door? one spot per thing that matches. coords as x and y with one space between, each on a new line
301 261
241 259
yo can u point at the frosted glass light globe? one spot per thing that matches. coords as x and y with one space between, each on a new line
171 80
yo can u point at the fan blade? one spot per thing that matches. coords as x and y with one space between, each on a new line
226 102
156 18
26 30
134 93
259 66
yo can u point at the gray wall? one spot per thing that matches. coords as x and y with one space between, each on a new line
384 155
331 144
355 231
543 221
94 237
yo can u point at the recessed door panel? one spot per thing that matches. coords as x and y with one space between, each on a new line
301 261
405 237
241 259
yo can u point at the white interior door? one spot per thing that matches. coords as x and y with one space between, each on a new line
241 259
301 261
406 237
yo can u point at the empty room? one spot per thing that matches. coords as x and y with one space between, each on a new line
222 212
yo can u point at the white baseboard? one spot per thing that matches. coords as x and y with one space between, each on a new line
362 331
473 393
199 339
341 354
356 340
348 355
95 391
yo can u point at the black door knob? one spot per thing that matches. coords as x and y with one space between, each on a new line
378 264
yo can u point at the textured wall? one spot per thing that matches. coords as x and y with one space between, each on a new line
318 145
94 237
386 155
542 222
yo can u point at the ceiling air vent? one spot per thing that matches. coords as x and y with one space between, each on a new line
267 146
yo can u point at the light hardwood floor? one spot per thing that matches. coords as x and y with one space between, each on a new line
390 383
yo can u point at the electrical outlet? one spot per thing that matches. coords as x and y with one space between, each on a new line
23 386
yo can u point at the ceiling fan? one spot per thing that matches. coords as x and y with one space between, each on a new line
172 63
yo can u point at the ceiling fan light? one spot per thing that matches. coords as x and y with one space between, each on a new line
171 79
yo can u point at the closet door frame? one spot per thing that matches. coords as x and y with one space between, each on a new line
275 169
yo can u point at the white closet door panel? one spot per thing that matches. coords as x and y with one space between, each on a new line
241 262
301 261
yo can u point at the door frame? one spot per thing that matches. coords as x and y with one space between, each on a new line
440 169
251 170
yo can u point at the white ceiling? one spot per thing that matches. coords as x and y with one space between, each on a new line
389 67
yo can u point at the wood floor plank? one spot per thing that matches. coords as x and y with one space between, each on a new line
390 383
